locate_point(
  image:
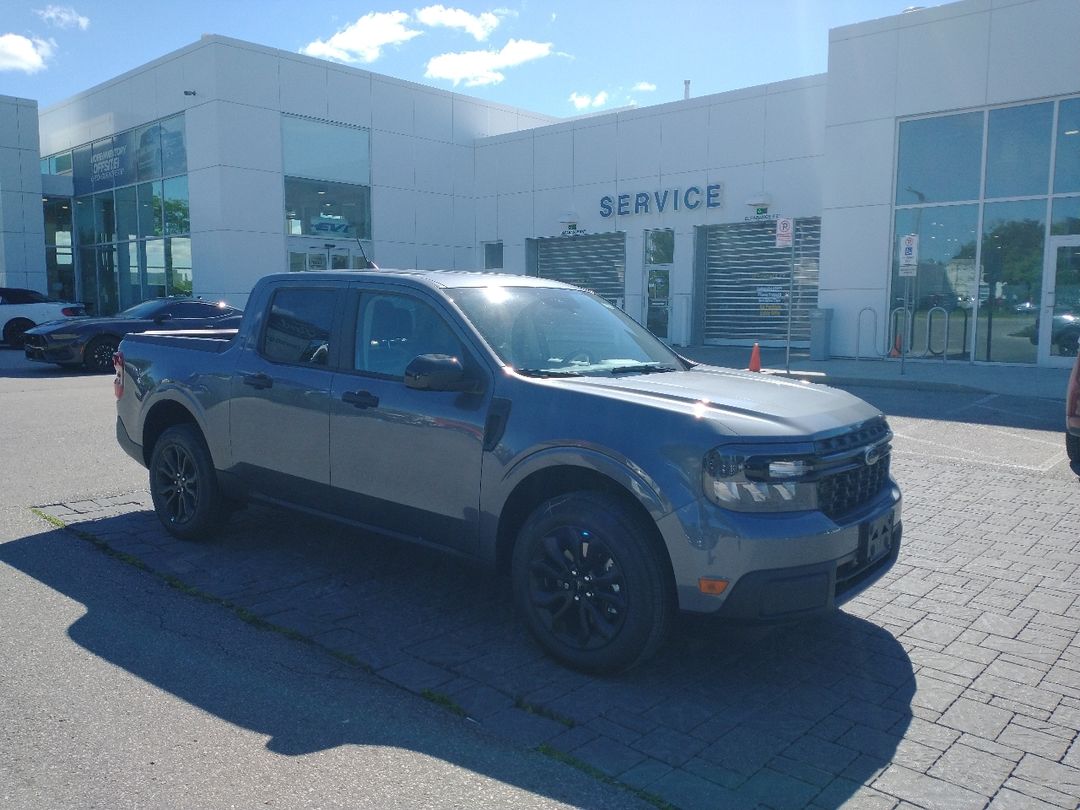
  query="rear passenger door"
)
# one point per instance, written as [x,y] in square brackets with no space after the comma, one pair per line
[280,394]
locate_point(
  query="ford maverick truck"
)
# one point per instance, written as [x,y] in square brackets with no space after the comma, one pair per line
[533,426]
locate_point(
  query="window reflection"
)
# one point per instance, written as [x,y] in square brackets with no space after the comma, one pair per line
[1066,217]
[946,280]
[1011,289]
[1067,163]
[940,159]
[325,151]
[177,215]
[327,210]
[1018,150]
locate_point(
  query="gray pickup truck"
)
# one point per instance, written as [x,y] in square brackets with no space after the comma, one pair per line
[533,426]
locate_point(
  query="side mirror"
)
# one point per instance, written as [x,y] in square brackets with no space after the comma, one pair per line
[437,372]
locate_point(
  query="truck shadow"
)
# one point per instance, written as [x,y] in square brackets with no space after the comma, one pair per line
[785,716]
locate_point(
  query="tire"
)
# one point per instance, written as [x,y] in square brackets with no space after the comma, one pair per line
[98,354]
[1072,448]
[184,486]
[15,332]
[592,585]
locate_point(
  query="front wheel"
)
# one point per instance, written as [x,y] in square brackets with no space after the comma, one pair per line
[592,585]
[183,484]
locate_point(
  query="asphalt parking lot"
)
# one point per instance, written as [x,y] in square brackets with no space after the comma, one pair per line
[954,683]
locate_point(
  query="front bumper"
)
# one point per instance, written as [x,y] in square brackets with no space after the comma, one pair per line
[42,350]
[780,566]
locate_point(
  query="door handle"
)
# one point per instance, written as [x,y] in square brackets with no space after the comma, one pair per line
[360,399]
[259,381]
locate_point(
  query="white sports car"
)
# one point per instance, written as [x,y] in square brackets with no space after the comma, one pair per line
[22,309]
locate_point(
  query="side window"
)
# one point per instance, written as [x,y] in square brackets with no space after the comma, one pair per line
[298,327]
[393,329]
[192,309]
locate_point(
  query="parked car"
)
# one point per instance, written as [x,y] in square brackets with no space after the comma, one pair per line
[1072,417]
[1064,333]
[22,309]
[529,425]
[90,342]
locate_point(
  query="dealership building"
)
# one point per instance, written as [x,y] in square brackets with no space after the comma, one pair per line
[960,124]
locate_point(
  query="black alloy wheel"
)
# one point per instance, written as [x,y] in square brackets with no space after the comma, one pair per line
[183,484]
[593,587]
[99,353]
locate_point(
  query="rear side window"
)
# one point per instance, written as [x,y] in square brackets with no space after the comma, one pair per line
[194,309]
[298,327]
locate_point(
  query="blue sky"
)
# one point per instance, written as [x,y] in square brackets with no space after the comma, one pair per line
[558,58]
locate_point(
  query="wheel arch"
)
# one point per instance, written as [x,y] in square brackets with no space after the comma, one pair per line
[163,415]
[561,479]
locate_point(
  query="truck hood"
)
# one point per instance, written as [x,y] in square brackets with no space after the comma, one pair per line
[745,403]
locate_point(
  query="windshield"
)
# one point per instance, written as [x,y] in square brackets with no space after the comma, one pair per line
[554,332]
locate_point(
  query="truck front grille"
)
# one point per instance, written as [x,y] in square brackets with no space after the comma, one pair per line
[854,467]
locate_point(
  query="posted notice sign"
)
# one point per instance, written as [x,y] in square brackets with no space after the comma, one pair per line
[909,255]
[784,229]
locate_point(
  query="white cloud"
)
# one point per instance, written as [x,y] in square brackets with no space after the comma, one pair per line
[63,17]
[28,55]
[644,87]
[582,101]
[364,40]
[479,25]
[477,68]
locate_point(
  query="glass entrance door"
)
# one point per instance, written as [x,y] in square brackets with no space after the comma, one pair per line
[659,302]
[1059,320]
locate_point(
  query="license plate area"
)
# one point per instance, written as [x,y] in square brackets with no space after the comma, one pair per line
[875,538]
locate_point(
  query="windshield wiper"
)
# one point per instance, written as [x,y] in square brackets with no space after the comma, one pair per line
[543,372]
[643,368]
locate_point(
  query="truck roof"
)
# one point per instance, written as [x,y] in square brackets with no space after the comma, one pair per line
[443,279]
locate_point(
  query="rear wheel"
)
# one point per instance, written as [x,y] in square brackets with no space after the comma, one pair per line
[591,584]
[15,332]
[184,486]
[98,354]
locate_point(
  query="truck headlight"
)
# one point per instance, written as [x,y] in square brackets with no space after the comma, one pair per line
[752,483]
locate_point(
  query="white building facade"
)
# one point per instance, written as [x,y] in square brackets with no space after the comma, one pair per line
[225,161]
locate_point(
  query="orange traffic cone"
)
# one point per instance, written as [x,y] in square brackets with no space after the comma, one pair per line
[755,359]
[896,348]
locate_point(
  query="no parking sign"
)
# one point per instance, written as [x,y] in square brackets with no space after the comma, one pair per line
[784,229]
[909,255]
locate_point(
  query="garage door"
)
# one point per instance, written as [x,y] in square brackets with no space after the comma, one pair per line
[747,281]
[596,262]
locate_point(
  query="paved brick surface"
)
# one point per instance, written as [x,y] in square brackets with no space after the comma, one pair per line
[954,683]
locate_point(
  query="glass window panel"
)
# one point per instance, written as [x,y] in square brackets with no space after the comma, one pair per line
[660,246]
[57,211]
[148,152]
[81,170]
[1018,150]
[177,215]
[104,217]
[940,159]
[107,281]
[1067,163]
[1066,216]
[946,276]
[327,210]
[88,289]
[127,214]
[1011,290]
[493,255]
[325,151]
[84,220]
[60,272]
[298,327]
[1065,324]
[154,259]
[150,217]
[178,266]
[61,164]
[127,271]
[173,146]
[297,262]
